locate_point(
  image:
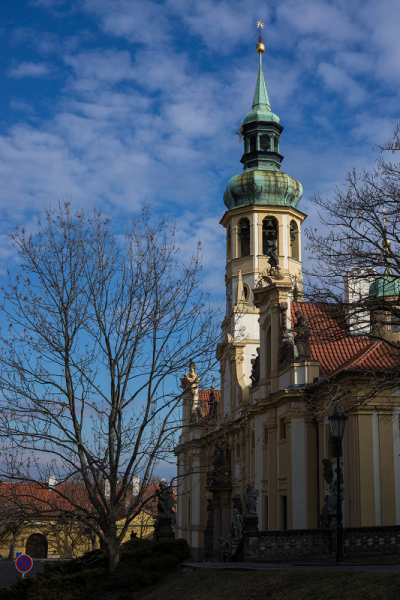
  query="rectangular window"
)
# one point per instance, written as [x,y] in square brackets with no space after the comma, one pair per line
[394,323]
[237,450]
[283,512]
[266,514]
[282,429]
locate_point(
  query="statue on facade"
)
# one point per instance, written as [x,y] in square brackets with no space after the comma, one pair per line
[286,346]
[165,496]
[212,404]
[236,527]
[210,514]
[328,511]
[302,340]
[250,499]
[255,369]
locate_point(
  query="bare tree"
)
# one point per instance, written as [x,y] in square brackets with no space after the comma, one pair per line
[98,330]
[359,240]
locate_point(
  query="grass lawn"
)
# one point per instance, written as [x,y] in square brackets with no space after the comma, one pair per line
[210,584]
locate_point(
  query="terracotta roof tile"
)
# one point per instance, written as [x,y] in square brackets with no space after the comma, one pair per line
[204,399]
[333,346]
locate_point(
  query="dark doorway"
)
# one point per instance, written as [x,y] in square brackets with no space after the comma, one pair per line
[36,546]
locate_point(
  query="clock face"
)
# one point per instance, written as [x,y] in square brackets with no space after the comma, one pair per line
[228,297]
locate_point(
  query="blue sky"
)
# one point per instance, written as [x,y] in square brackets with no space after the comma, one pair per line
[130,101]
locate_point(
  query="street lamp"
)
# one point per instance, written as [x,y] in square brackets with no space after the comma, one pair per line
[338,422]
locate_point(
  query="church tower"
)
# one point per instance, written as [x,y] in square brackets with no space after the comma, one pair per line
[263,232]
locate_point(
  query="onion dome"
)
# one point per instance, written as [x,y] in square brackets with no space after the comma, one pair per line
[387,285]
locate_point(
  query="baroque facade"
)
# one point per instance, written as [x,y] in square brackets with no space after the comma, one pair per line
[280,374]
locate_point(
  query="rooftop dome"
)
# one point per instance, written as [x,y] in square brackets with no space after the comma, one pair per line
[387,285]
[262,188]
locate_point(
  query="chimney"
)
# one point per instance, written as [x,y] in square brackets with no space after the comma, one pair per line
[52,482]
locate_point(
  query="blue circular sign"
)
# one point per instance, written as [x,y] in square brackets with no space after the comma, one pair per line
[24,563]
[88,531]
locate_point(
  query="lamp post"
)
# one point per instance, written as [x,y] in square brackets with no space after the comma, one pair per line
[338,422]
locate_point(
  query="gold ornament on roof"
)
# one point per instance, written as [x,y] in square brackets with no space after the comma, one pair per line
[260,45]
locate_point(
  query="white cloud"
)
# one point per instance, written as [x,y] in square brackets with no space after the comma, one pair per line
[29,69]
[338,81]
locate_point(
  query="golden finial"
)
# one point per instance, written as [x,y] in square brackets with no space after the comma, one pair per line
[260,45]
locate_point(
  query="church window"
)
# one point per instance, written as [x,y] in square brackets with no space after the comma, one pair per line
[265,145]
[282,429]
[294,241]
[253,143]
[228,243]
[244,237]
[238,450]
[270,235]
[394,323]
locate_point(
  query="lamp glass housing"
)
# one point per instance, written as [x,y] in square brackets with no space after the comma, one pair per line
[337,422]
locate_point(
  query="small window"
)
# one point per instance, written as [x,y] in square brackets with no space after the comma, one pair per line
[253,141]
[282,429]
[283,512]
[237,450]
[244,237]
[265,145]
[253,440]
[294,241]
[265,435]
[395,323]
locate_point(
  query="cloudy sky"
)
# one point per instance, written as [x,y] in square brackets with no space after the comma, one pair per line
[122,102]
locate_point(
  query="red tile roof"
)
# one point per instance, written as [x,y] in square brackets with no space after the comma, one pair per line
[333,346]
[204,399]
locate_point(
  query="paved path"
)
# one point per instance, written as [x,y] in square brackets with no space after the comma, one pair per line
[382,567]
[8,572]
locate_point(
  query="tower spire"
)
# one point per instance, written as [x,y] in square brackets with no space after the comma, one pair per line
[261,94]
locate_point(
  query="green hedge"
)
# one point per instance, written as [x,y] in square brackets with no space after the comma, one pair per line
[142,563]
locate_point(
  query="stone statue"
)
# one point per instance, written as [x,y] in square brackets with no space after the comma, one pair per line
[210,514]
[236,526]
[255,369]
[250,499]
[328,511]
[286,346]
[217,457]
[328,471]
[212,404]
[192,369]
[225,554]
[302,340]
[165,497]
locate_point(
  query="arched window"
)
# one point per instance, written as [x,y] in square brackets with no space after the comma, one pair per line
[253,143]
[270,235]
[228,244]
[268,354]
[244,237]
[265,145]
[294,240]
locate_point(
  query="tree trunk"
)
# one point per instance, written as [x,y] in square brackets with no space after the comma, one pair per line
[113,554]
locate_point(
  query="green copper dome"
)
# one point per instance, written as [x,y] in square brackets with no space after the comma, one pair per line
[387,285]
[262,188]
